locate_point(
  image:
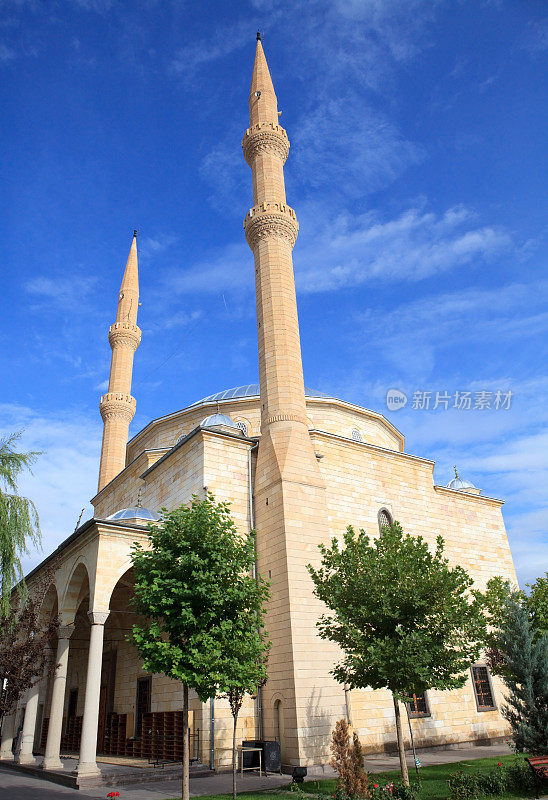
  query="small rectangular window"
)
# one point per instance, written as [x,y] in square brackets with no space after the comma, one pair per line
[418,706]
[482,688]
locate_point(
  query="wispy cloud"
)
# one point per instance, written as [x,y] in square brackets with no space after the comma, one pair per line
[347,146]
[65,475]
[6,53]
[151,246]
[220,43]
[348,250]
[61,291]
[351,250]
[535,39]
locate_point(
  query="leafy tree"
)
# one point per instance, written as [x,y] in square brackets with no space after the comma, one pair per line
[196,588]
[404,619]
[537,603]
[525,673]
[18,518]
[24,639]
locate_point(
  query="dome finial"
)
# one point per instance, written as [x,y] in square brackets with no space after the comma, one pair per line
[456,473]
[139,496]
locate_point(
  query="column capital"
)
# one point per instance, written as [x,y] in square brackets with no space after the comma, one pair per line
[65,631]
[98,617]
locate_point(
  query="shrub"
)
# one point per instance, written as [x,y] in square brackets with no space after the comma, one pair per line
[463,786]
[347,760]
[496,781]
[398,790]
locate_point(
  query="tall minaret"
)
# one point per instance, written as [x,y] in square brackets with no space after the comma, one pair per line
[290,504]
[117,406]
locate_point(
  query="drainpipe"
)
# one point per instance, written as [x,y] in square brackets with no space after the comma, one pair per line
[251,526]
[212,734]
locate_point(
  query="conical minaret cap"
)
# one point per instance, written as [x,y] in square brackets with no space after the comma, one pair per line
[263,104]
[129,290]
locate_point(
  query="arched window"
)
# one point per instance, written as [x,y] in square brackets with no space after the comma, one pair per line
[242,426]
[385,519]
[356,435]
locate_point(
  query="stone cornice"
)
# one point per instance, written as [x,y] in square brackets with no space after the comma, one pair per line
[235,437]
[123,474]
[375,447]
[254,401]
[481,497]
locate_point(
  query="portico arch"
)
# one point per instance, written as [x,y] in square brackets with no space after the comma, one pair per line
[77,588]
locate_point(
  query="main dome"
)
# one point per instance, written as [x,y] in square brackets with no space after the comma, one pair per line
[250,390]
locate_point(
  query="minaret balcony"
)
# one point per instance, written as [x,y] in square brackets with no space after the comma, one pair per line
[265,137]
[124,334]
[271,219]
[117,404]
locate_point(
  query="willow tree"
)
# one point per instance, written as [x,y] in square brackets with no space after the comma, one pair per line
[19,525]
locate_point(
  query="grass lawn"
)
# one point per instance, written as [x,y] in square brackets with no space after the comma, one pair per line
[434,782]
[434,779]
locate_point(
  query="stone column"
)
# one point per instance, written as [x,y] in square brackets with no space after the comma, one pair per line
[87,764]
[25,755]
[53,743]
[7,738]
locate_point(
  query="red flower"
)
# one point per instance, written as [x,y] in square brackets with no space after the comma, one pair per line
[499,764]
[375,785]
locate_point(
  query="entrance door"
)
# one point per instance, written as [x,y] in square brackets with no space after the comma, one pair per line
[102,718]
[106,696]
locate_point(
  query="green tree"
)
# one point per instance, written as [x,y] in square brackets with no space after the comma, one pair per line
[525,655]
[518,652]
[18,518]
[195,587]
[537,603]
[403,617]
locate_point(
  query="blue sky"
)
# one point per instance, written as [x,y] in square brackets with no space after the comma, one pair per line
[418,173]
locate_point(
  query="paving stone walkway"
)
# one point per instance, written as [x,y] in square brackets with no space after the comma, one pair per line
[18,786]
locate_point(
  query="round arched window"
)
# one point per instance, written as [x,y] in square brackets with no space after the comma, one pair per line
[242,426]
[385,519]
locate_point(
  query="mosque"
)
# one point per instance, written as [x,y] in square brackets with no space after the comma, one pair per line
[297,466]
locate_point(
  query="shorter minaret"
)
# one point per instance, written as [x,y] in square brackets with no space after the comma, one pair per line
[117,406]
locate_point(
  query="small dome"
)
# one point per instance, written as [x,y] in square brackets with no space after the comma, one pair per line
[219,420]
[135,513]
[460,484]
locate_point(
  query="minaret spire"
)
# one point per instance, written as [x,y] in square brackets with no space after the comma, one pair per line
[291,517]
[117,406]
[263,104]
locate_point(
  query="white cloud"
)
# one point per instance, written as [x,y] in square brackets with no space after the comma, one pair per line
[352,250]
[347,251]
[65,475]
[151,246]
[62,292]
[342,143]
